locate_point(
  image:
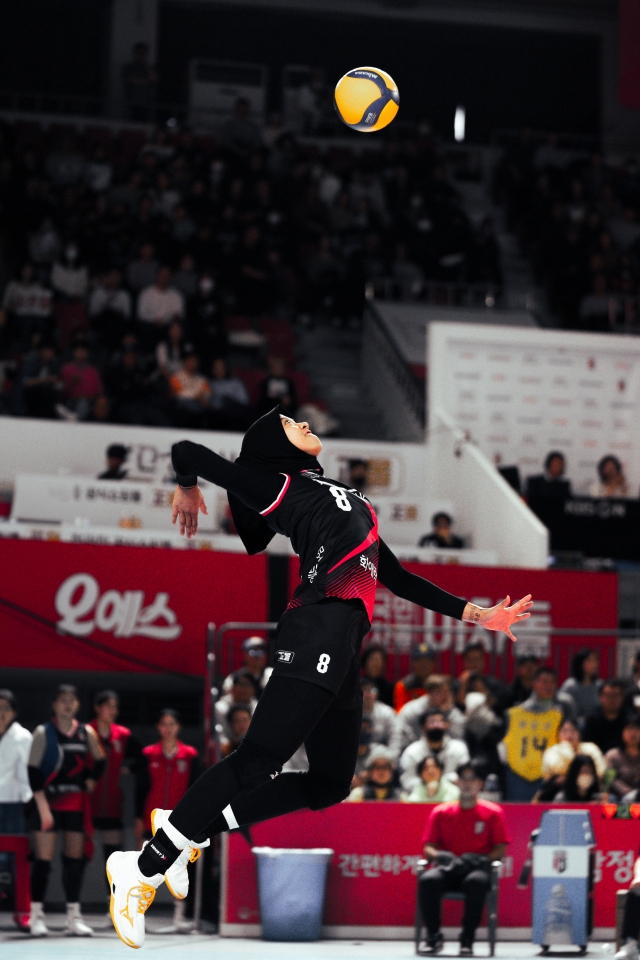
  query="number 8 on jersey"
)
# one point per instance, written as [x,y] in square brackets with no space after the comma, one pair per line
[323,663]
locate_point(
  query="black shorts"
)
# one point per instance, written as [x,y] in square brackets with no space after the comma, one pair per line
[72,820]
[320,642]
[108,823]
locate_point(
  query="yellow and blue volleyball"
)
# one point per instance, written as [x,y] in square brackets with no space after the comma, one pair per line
[366,99]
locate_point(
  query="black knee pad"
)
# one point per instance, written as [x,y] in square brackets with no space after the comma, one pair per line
[323,792]
[253,766]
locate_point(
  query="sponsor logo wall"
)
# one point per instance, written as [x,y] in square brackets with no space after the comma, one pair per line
[62,454]
[372,876]
[522,395]
[78,449]
[115,608]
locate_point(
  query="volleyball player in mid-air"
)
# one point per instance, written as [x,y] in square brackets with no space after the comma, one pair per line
[314,696]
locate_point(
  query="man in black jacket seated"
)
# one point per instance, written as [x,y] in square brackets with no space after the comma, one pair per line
[550,484]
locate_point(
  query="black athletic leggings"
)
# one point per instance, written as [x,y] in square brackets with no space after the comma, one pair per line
[290,712]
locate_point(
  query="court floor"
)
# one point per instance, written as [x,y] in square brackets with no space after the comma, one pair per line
[104,943]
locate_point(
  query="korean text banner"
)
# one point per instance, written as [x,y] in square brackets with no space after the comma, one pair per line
[371,889]
[86,607]
[562,599]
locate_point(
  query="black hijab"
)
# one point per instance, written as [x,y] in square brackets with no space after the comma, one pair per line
[265,449]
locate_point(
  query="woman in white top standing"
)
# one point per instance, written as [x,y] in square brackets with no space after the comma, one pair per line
[15,743]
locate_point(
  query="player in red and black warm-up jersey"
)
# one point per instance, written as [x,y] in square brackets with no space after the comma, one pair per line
[314,695]
[165,772]
[122,753]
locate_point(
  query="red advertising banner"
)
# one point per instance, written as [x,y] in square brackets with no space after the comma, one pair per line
[629,53]
[115,608]
[562,599]
[376,848]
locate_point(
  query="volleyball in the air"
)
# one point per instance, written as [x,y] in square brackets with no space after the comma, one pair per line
[366,99]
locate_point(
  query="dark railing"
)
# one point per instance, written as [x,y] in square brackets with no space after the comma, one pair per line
[578,142]
[382,342]
[52,103]
[89,108]
[436,292]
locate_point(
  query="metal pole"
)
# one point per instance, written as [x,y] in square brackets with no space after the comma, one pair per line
[209,675]
[197,906]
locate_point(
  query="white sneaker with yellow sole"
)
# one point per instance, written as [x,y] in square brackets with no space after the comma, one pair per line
[177,877]
[131,896]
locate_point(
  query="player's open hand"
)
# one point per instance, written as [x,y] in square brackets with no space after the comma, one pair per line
[185,508]
[502,616]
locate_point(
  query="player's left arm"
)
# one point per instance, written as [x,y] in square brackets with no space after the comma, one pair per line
[410,586]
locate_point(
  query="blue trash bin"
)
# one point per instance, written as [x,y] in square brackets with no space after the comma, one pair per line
[291,888]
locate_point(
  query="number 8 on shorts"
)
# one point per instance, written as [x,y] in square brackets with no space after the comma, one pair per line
[323,663]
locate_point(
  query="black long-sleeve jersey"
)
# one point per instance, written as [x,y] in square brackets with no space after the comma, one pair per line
[333,529]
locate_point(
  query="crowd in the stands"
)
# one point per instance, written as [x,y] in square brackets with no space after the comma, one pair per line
[161,280]
[577,217]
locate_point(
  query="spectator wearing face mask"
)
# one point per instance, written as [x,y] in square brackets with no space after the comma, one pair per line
[379,783]
[438,696]
[432,787]
[581,783]
[557,759]
[474,664]
[435,741]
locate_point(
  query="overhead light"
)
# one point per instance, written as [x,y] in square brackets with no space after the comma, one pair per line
[458,124]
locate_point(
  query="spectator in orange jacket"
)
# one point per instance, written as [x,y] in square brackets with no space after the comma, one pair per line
[423,664]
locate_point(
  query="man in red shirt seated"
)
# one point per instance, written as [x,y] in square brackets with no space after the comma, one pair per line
[461,839]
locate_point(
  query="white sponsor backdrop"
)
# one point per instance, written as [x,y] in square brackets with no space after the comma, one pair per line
[51,459]
[520,393]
